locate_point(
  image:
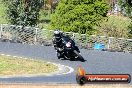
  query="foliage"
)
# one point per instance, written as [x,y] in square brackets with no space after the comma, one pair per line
[79,15]
[126,7]
[50,4]
[115,26]
[44,19]
[130,30]
[24,12]
[2,13]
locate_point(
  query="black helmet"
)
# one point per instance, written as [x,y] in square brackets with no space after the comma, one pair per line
[57,34]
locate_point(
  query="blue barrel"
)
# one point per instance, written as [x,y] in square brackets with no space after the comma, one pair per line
[99,46]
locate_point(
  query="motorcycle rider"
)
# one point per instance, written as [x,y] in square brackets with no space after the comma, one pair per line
[57,42]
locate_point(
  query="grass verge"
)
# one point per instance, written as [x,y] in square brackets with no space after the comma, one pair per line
[18,66]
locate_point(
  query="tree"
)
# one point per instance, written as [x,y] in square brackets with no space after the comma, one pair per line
[79,15]
[50,4]
[130,31]
[126,7]
[24,12]
[111,4]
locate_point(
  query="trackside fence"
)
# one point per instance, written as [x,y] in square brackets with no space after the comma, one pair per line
[32,35]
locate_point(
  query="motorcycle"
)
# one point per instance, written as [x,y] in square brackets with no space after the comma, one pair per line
[70,50]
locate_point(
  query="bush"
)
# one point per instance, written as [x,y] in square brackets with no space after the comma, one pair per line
[79,15]
[130,31]
[115,26]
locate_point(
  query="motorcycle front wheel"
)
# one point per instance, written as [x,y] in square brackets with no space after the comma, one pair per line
[58,55]
[78,55]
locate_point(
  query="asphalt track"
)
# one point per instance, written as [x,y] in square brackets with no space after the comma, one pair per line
[97,62]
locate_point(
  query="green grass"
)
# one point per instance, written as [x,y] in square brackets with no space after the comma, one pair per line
[17,66]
